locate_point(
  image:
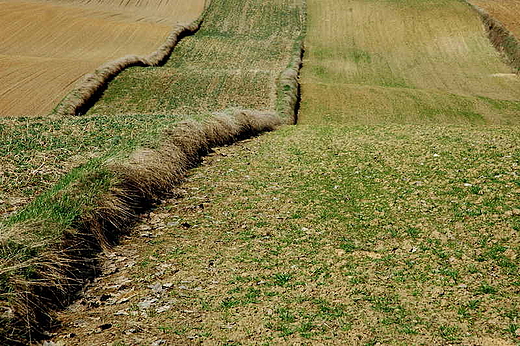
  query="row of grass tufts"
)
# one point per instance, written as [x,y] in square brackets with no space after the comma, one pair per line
[71,186]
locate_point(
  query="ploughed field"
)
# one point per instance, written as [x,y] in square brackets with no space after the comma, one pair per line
[403,61]
[505,11]
[45,46]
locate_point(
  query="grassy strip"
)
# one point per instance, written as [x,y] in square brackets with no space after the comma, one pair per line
[205,74]
[239,50]
[47,248]
[288,100]
[501,38]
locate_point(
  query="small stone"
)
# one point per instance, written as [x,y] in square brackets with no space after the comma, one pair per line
[158,342]
[130,331]
[144,227]
[125,299]
[121,313]
[462,286]
[146,304]
[163,309]
[79,323]
[157,288]
[102,327]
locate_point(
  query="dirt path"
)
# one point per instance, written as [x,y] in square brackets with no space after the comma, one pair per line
[408,62]
[45,46]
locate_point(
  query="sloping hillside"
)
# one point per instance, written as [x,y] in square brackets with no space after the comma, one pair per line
[45,46]
[403,61]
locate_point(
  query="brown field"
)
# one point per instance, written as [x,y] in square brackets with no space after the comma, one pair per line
[505,11]
[45,46]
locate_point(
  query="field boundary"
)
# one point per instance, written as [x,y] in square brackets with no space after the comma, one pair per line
[288,102]
[140,182]
[501,38]
[134,185]
[90,87]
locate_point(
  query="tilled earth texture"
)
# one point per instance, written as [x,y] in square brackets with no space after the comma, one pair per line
[234,60]
[391,235]
[45,46]
[505,11]
[403,61]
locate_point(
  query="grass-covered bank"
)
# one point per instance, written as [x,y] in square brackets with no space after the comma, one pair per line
[124,161]
[36,152]
[339,235]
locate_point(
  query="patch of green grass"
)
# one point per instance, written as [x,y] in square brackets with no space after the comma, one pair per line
[56,170]
[372,234]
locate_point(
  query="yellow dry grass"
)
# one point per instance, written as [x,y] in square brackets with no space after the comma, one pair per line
[408,61]
[45,46]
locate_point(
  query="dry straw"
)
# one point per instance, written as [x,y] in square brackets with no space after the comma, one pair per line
[143,179]
[501,38]
[289,87]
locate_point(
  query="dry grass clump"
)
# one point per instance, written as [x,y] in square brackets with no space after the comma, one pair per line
[48,248]
[37,277]
[325,235]
[289,86]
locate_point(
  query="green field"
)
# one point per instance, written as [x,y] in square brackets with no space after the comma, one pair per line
[404,231]
[56,171]
[352,235]
[389,215]
[403,62]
